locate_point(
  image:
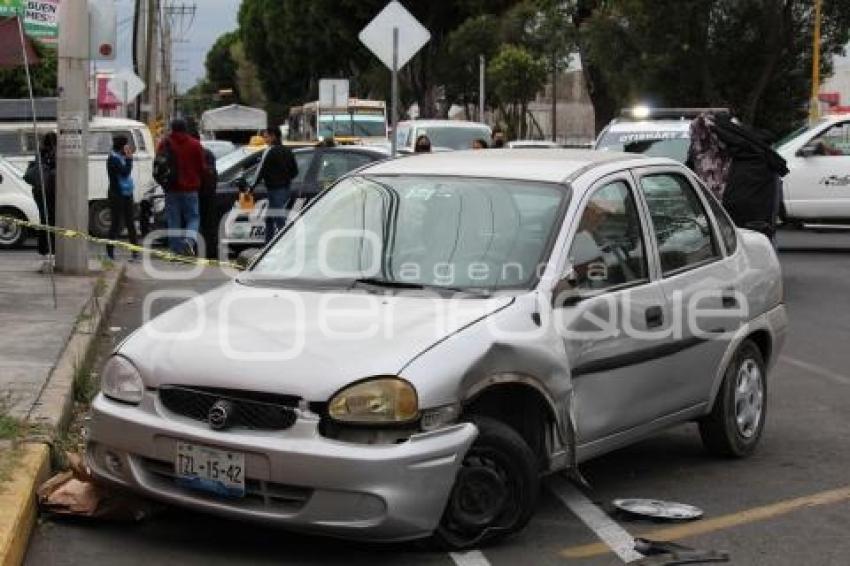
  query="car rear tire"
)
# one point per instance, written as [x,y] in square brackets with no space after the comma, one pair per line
[495,490]
[736,422]
[100,218]
[12,235]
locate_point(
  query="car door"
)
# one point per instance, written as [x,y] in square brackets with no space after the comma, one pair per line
[818,185]
[614,316]
[700,284]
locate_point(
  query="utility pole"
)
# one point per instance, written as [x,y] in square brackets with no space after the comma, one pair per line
[72,173]
[481,100]
[814,105]
[149,111]
[179,17]
[554,97]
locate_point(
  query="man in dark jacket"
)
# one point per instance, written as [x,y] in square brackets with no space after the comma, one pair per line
[181,196]
[277,168]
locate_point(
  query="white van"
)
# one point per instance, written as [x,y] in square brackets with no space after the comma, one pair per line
[445,135]
[18,147]
[15,201]
[818,187]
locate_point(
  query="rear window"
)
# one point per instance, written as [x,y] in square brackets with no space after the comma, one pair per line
[453,137]
[659,143]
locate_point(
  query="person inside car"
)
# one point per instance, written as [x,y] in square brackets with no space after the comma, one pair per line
[423,144]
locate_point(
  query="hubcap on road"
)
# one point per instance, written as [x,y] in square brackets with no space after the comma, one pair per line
[749,398]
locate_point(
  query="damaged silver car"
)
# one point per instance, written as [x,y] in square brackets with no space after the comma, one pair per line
[435,334]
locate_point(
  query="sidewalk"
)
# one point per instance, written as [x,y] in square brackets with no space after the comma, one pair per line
[42,348]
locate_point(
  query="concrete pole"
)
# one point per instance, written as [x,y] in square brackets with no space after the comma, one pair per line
[481,100]
[150,62]
[72,174]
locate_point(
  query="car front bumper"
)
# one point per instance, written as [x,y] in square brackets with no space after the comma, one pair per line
[294,478]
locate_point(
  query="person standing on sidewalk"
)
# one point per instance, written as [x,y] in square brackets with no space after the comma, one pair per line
[207,198]
[179,166]
[119,168]
[277,168]
[44,193]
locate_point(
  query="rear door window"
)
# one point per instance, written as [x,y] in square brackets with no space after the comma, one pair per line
[10,143]
[683,230]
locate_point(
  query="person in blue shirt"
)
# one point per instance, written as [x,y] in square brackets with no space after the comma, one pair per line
[119,167]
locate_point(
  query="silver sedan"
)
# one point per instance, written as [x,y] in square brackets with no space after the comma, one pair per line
[434,334]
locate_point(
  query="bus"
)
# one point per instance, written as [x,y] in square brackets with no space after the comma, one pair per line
[361,122]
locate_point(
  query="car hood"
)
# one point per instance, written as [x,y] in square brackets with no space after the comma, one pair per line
[308,344]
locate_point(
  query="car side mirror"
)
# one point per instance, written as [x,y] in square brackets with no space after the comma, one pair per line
[246,257]
[566,292]
[808,150]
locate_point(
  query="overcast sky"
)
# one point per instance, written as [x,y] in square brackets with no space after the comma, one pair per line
[212,18]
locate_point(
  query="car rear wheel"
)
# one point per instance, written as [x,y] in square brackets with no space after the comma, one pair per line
[495,490]
[736,422]
[12,235]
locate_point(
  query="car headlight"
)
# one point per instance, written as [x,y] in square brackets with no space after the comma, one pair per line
[383,400]
[121,381]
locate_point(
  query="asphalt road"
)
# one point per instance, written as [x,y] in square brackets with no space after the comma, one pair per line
[787,505]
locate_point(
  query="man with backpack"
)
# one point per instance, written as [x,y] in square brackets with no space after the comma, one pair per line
[179,168]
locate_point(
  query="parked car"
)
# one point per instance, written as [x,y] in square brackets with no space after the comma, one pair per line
[445,135]
[817,189]
[17,144]
[317,168]
[15,201]
[433,334]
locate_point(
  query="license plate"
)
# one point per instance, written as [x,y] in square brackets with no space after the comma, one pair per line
[209,469]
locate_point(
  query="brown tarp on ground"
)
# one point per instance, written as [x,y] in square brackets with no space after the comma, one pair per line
[10,45]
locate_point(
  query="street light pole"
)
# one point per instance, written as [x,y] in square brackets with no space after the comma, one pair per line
[72,164]
[481,101]
[814,105]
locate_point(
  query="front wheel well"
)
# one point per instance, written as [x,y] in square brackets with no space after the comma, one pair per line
[764,342]
[521,407]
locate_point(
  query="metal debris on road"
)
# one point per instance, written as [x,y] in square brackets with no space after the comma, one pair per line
[655,509]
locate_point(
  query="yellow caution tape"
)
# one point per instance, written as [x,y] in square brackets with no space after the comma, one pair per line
[159,254]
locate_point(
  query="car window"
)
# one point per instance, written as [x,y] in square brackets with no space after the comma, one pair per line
[334,165]
[139,138]
[608,248]
[100,142]
[453,137]
[835,141]
[662,143]
[303,159]
[682,228]
[245,168]
[727,227]
[10,143]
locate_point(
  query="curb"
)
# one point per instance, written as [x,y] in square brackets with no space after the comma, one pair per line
[17,499]
[50,414]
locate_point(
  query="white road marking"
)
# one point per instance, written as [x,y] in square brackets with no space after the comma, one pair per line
[471,558]
[817,370]
[608,531]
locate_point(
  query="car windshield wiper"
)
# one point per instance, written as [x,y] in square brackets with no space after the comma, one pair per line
[390,284]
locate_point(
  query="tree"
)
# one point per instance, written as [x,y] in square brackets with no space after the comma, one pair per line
[221,67]
[459,71]
[13,81]
[516,76]
[753,56]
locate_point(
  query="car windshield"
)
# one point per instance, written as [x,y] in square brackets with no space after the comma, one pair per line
[662,143]
[798,132]
[417,231]
[453,137]
[348,125]
[222,164]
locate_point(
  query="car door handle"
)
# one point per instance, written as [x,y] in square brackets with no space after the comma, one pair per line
[729,299]
[654,317]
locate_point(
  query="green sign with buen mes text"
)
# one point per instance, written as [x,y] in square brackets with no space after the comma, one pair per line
[41,17]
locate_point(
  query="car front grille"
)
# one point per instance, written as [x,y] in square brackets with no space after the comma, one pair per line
[252,410]
[259,494]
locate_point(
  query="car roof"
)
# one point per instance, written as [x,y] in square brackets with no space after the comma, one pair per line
[650,126]
[547,165]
